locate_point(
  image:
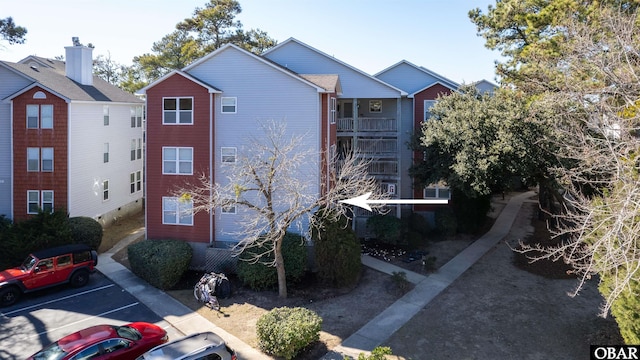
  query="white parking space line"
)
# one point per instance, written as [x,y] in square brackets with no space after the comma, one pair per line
[85,319]
[56,300]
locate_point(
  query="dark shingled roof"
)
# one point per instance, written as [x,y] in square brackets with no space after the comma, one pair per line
[54,78]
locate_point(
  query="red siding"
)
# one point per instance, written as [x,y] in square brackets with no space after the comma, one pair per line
[57,138]
[159,135]
[430,93]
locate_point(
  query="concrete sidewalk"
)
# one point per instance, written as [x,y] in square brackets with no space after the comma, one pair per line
[380,328]
[372,334]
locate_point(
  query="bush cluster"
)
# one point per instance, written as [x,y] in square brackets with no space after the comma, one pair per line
[285,331]
[337,252]
[161,263]
[387,229]
[85,230]
[259,275]
[625,308]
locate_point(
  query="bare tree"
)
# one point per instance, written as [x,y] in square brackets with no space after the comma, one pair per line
[276,184]
[594,113]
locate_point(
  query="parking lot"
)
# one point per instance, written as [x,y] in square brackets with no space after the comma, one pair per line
[41,318]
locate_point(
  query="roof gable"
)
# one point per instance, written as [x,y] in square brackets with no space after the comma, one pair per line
[209,88]
[302,58]
[412,78]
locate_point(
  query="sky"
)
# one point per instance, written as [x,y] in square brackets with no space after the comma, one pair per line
[370,35]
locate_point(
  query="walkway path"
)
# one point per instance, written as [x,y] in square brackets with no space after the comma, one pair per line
[380,328]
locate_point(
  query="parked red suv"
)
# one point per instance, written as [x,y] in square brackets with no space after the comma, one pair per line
[46,268]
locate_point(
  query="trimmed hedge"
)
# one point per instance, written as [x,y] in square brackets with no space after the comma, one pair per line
[337,252]
[85,230]
[285,331]
[161,263]
[259,276]
[387,229]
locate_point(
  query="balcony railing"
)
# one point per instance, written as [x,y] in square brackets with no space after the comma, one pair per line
[377,146]
[383,167]
[367,124]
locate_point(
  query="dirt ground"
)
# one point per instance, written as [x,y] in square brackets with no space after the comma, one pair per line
[501,308]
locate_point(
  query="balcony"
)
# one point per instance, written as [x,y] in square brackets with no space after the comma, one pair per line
[383,167]
[377,147]
[367,124]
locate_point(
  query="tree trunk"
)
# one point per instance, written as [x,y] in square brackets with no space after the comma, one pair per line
[282,278]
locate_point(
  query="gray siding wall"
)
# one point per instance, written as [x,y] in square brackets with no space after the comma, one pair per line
[9,84]
[407,78]
[263,94]
[306,61]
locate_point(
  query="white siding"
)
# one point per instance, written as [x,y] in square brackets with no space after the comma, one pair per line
[304,60]
[264,94]
[9,84]
[87,171]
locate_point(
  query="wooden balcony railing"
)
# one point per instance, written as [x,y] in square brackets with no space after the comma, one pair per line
[367,124]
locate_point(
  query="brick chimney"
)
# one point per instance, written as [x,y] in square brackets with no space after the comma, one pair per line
[79,62]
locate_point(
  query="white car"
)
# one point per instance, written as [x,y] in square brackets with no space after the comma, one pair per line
[200,346]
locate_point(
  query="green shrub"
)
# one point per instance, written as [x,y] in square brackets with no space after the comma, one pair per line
[625,308]
[446,223]
[284,331]
[337,252]
[387,229]
[85,230]
[378,353]
[161,263]
[260,276]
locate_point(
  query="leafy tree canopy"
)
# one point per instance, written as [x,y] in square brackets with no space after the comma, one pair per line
[11,32]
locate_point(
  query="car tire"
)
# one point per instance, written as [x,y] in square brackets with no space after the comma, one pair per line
[79,278]
[9,296]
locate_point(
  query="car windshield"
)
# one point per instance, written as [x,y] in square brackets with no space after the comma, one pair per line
[28,263]
[128,332]
[51,352]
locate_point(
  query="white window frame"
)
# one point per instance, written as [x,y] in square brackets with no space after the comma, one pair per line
[105,190]
[229,209]
[228,103]
[139,116]
[46,117]
[139,149]
[177,161]
[31,201]
[177,111]
[135,182]
[436,188]
[333,109]
[132,115]
[426,106]
[228,155]
[133,150]
[138,180]
[182,210]
[105,115]
[105,153]
[33,158]
[44,200]
[30,109]
[47,159]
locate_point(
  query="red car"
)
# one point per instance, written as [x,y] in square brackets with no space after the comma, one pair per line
[103,342]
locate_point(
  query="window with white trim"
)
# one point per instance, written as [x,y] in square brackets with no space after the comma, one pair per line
[436,191]
[33,201]
[333,109]
[47,159]
[133,149]
[105,115]
[139,149]
[105,190]
[33,116]
[177,211]
[139,116]
[229,105]
[176,111]
[135,179]
[229,208]
[105,153]
[427,108]
[228,155]
[33,159]
[37,200]
[177,160]
[46,120]
[389,188]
